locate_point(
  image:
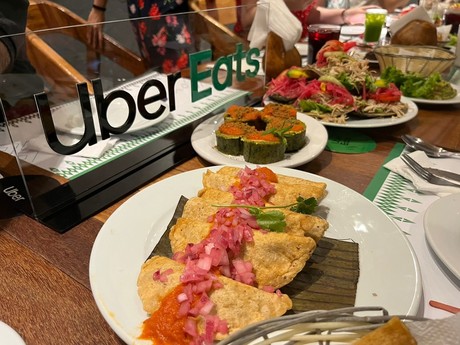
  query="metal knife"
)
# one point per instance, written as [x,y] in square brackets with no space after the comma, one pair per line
[445,174]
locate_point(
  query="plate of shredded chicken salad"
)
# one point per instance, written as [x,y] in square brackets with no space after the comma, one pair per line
[342,91]
[379,121]
[349,121]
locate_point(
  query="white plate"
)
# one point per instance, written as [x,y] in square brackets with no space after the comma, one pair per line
[352,30]
[68,117]
[379,122]
[455,100]
[302,48]
[8,336]
[442,230]
[204,143]
[389,272]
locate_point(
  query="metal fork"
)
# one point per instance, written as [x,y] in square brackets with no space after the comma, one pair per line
[424,174]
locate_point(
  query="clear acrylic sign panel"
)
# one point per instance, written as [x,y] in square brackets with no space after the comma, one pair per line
[88,127]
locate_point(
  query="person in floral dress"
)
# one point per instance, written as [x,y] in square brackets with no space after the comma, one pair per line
[162,31]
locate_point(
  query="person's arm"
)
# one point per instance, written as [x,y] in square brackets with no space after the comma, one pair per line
[96,15]
[392,5]
[349,16]
[246,14]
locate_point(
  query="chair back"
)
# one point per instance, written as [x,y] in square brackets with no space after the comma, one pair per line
[59,73]
[214,22]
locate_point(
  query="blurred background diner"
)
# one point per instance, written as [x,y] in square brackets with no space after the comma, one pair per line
[389,5]
[164,42]
[307,12]
[19,80]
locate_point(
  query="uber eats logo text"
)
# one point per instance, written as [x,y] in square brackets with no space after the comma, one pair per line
[151,91]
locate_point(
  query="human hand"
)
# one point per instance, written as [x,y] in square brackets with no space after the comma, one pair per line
[95,28]
[357,15]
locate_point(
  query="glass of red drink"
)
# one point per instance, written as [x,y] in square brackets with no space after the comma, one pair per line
[318,35]
[452,16]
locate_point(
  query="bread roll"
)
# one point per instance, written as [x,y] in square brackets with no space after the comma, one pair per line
[416,33]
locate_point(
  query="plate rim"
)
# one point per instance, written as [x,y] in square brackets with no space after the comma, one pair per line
[376,122]
[353,32]
[106,229]
[9,333]
[218,158]
[429,231]
[380,122]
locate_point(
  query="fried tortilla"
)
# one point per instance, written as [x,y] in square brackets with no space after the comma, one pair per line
[276,257]
[373,109]
[236,303]
[287,189]
[296,223]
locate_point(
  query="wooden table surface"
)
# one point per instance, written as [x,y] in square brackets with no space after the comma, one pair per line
[44,284]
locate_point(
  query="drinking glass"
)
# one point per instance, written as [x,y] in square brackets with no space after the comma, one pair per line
[375,19]
[318,35]
[452,16]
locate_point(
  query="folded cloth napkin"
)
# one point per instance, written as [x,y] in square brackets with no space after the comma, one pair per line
[418,13]
[442,331]
[274,16]
[94,151]
[451,164]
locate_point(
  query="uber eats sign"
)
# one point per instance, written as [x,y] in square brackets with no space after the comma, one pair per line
[156,87]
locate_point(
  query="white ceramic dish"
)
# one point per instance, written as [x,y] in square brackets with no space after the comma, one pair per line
[455,100]
[389,272]
[204,143]
[8,336]
[352,30]
[379,122]
[68,117]
[442,230]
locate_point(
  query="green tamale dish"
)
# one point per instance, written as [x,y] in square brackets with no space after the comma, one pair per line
[263,148]
[229,135]
[275,110]
[294,131]
[248,115]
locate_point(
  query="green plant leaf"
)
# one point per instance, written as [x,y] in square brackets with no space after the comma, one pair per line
[271,220]
[305,206]
[275,220]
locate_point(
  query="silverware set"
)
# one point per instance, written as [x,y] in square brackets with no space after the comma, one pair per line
[431,175]
[430,149]
[425,174]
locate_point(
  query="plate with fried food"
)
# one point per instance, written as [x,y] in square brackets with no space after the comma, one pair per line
[130,284]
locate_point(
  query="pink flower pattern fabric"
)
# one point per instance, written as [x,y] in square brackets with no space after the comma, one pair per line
[164,38]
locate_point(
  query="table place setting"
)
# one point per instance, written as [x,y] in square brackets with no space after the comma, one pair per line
[447,165]
[429,215]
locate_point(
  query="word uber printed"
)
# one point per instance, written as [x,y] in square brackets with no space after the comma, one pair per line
[160,93]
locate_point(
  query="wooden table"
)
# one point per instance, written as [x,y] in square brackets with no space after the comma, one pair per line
[44,285]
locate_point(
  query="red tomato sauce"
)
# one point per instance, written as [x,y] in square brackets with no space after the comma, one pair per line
[165,326]
[269,174]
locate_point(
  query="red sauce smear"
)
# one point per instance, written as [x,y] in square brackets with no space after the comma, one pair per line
[165,326]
